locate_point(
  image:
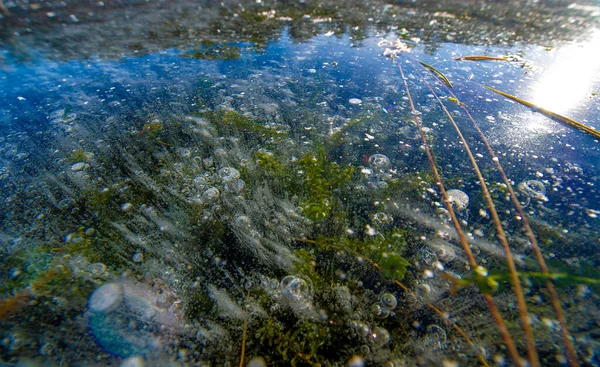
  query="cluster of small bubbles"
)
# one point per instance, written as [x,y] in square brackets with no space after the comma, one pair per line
[379,162]
[295,288]
[378,337]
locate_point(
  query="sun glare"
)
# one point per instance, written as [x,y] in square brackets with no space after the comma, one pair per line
[567,81]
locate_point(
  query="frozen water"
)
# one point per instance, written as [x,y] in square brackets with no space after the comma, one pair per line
[191,182]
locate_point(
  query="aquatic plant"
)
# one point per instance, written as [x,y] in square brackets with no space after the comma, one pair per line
[480,275]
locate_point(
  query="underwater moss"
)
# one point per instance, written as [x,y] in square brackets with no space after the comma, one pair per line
[321,179]
[213,51]
[77,156]
[234,123]
[385,250]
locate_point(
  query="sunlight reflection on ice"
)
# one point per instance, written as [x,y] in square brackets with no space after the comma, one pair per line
[567,82]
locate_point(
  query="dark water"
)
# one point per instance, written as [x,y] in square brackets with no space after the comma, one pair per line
[221,184]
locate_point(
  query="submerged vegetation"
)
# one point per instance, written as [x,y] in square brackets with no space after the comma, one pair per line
[291,210]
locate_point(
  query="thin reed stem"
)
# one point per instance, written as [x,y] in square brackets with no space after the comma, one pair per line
[508,341]
[516,282]
[554,299]
[244,335]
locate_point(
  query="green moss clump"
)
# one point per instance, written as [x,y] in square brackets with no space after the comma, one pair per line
[77,156]
[321,179]
[233,123]
[295,346]
[152,128]
[384,249]
[215,51]
[269,164]
[392,264]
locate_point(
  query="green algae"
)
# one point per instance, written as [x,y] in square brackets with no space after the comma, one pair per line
[234,123]
[77,156]
[214,51]
[322,179]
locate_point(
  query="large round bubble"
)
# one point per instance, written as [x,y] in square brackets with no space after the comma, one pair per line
[229,174]
[388,301]
[129,319]
[533,189]
[379,162]
[295,288]
[458,199]
[106,298]
[211,194]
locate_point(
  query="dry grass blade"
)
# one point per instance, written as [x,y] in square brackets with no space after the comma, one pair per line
[508,341]
[482,58]
[553,115]
[437,73]
[554,299]
[244,335]
[4,9]
[516,282]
